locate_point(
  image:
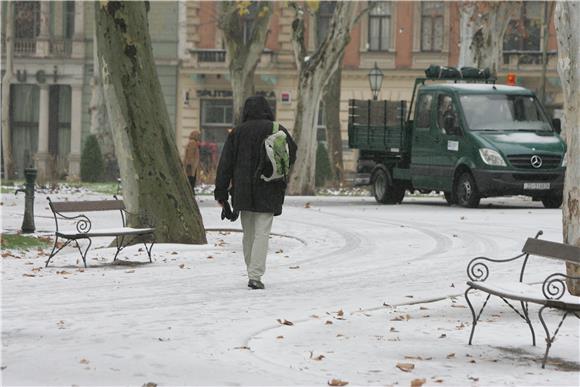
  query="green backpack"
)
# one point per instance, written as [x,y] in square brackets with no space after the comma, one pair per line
[275,150]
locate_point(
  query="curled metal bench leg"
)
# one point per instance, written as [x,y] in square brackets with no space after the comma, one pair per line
[84,254]
[119,246]
[473,313]
[53,252]
[527,318]
[148,249]
[550,339]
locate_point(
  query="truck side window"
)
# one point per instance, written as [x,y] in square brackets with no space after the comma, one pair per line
[423,116]
[445,110]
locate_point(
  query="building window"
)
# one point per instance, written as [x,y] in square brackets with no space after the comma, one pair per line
[524,32]
[26,19]
[217,112]
[380,26]
[432,26]
[69,19]
[24,110]
[248,21]
[323,18]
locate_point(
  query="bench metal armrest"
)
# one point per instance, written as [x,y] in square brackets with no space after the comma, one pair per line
[83,224]
[554,286]
[478,270]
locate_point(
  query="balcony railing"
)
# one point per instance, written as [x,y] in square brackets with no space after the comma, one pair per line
[60,48]
[211,56]
[24,47]
[517,58]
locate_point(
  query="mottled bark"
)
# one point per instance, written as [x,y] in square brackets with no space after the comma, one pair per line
[483,26]
[331,101]
[8,68]
[100,120]
[567,20]
[243,57]
[314,72]
[154,184]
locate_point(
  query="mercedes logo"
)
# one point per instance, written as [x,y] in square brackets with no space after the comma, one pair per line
[536,161]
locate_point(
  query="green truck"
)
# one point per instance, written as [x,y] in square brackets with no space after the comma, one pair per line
[469,139]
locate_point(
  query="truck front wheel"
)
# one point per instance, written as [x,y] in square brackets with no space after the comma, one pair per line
[466,192]
[384,190]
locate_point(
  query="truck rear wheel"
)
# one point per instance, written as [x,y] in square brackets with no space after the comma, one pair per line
[449,198]
[552,201]
[466,192]
[384,190]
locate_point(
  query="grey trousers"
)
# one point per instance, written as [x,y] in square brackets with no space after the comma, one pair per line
[256,227]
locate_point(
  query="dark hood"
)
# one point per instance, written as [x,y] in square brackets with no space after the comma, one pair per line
[257,108]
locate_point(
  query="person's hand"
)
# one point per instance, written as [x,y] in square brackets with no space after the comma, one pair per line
[221,203]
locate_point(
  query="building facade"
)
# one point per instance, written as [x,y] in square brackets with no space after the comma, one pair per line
[402,38]
[54,65]
[51,86]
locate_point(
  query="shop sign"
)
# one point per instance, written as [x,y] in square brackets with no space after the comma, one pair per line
[204,93]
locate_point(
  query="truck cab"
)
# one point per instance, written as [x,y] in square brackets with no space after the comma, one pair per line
[468,139]
[480,140]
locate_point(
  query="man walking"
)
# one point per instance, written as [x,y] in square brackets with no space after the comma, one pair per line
[241,171]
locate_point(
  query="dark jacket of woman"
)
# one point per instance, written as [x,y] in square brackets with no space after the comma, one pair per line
[240,160]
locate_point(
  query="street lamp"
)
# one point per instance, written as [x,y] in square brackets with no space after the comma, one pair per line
[376,81]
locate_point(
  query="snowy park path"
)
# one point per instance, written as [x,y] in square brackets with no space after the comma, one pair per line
[353,277]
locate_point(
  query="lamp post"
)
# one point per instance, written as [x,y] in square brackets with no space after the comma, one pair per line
[376,81]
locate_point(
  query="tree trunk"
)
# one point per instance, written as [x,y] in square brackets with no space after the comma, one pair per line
[483,26]
[314,72]
[243,56]
[331,99]
[6,129]
[567,20]
[100,121]
[154,184]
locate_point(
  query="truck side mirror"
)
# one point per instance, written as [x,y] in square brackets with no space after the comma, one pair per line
[557,124]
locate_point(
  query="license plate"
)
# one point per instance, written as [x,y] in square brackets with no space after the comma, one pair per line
[537,186]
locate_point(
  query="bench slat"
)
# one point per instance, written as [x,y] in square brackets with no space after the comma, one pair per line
[552,250]
[94,205]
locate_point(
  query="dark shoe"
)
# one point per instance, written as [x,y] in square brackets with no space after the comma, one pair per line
[254,284]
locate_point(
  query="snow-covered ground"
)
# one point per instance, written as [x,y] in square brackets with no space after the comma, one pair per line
[366,287]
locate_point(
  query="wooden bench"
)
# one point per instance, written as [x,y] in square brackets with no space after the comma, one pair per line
[83,226]
[551,294]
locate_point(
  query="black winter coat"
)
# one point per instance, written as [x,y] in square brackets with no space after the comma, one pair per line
[240,159]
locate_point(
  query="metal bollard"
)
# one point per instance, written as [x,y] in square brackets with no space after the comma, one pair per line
[28,221]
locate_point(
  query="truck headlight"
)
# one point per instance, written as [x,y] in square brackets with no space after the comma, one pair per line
[491,157]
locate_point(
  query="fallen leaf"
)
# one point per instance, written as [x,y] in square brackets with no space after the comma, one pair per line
[130,271]
[244,347]
[314,316]
[438,380]
[409,296]
[337,382]
[294,267]
[307,205]
[319,357]
[423,308]
[385,304]
[339,335]
[279,251]
[181,266]
[210,257]
[450,355]
[279,337]
[473,378]
[410,357]
[36,269]
[443,335]
[84,361]
[174,253]
[406,367]
[285,322]
[340,313]
[328,322]
[418,382]
[472,361]
[150,384]
[64,272]
[393,329]
[28,275]
[458,306]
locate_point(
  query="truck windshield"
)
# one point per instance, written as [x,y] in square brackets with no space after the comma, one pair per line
[503,112]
